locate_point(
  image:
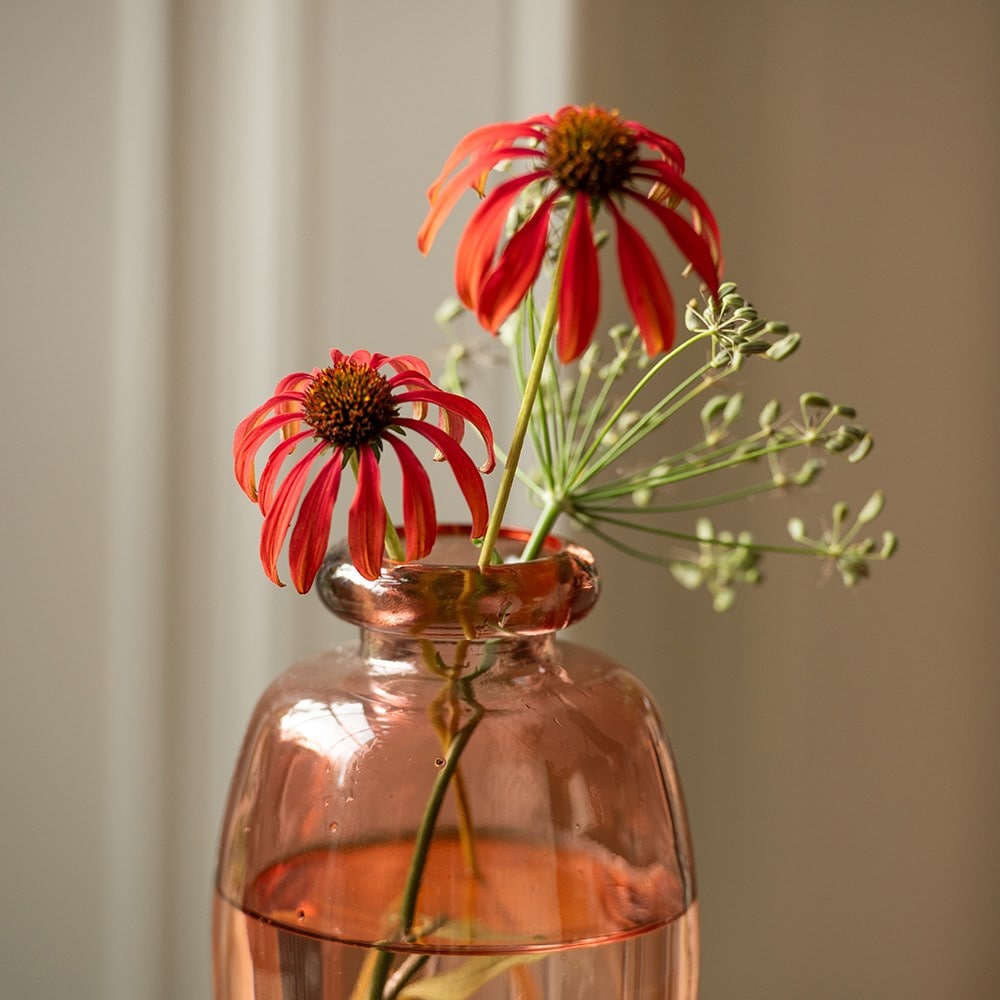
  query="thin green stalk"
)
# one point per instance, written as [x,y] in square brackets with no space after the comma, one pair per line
[573,418]
[421,846]
[538,363]
[623,406]
[408,907]
[543,528]
[393,544]
[681,536]
[682,475]
[757,489]
[596,408]
[538,425]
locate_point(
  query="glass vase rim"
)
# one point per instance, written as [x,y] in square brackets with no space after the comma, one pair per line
[427,596]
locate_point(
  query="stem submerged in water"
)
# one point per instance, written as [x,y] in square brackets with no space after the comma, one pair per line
[411,889]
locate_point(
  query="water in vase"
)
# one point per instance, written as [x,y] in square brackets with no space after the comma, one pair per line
[284,943]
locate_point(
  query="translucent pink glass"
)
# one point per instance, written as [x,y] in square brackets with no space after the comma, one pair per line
[462,805]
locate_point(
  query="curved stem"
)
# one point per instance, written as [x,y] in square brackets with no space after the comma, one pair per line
[623,405]
[421,846]
[543,527]
[539,359]
[393,545]
[408,908]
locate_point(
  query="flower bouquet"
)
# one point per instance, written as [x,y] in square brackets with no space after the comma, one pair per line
[463,806]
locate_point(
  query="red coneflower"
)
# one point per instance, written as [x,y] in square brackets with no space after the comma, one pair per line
[350,410]
[597,159]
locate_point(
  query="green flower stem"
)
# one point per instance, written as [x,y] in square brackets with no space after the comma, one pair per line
[523,478]
[681,467]
[543,527]
[595,508]
[681,536]
[583,474]
[393,543]
[681,475]
[538,424]
[408,908]
[596,408]
[421,846]
[406,972]
[693,386]
[576,413]
[538,362]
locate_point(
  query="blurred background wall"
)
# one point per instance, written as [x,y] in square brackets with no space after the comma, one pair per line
[200,196]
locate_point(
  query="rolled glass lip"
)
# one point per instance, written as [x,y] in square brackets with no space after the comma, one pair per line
[448,592]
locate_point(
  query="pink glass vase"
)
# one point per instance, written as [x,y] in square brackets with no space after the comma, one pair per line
[461,805]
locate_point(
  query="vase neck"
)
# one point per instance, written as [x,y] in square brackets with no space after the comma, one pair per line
[446,598]
[446,658]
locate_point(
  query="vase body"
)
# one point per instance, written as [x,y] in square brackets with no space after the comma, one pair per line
[462,805]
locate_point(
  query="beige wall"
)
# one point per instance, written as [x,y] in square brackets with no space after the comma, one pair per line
[199,195]
[839,749]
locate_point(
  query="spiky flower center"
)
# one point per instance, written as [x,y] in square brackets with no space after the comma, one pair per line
[591,150]
[349,405]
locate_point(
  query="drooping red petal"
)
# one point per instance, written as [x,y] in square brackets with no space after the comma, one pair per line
[286,400]
[419,515]
[279,517]
[455,410]
[445,198]
[406,363]
[690,243]
[289,393]
[468,477]
[411,379]
[646,290]
[580,291]
[366,518]
[702,216]
[246,444]
[311,534]
[272,468]
[259,414]
[515,272]
[667,148]
[484,137]
[482,234]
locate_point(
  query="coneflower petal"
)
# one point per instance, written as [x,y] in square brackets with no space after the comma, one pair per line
[481,237]
[273,465]
[646,291]
[419,515]
[279,517]
[580,291]
[479,139]
[445,197]
[455,410]
[311,534]
[701,214]
[366,518]
[691,244]
[508,281]
[468,477]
